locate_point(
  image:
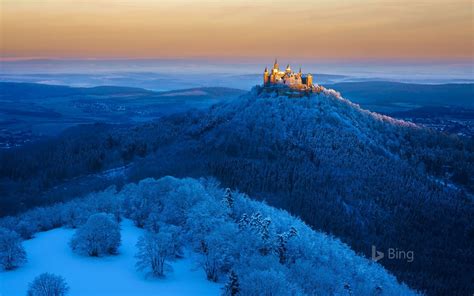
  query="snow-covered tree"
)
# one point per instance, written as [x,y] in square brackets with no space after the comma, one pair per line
[209,262]
[281,243]
[261,227]
[153,222]
[48,284]
[232,287]
[244,221]
[268,283]
[26,228]
[183,211]
[256,221]
[99,236]
[219,251]
[281,247]
[229,200]
[348,288]
[153,251]
[74,214]
[12,253]
[265,234]
[139,201]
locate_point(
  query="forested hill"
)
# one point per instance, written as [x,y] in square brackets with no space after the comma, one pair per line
[366,178]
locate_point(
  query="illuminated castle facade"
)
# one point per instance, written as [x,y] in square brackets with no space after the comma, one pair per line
[293,80]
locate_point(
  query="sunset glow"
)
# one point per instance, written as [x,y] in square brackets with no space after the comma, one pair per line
[434,29]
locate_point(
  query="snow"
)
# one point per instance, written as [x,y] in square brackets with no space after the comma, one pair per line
[113,275]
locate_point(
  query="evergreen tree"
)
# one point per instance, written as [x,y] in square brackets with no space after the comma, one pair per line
[282,241]
[348,288]
[293,232]
[256,221]
[244,221]
[265,235]
[229,202]
[281,247]
[229,198]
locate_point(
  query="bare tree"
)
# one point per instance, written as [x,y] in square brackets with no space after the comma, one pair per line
[12,253]
[48,284]
[153,251]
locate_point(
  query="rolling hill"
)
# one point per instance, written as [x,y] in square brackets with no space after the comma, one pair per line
[394,96]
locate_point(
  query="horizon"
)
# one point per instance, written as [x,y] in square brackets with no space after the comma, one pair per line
[189,70]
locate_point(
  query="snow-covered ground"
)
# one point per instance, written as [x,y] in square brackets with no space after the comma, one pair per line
[112,275]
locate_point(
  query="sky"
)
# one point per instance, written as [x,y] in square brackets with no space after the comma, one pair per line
[232,29]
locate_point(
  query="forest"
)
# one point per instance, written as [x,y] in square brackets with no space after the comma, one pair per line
[250,247]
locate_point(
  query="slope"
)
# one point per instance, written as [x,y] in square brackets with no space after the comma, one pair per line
[342,169]
[364,177]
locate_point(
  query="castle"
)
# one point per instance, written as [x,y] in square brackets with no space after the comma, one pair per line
[295,81]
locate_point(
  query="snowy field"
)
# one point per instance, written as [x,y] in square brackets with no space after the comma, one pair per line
[112,275]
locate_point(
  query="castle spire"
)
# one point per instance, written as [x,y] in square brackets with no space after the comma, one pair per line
[275,65]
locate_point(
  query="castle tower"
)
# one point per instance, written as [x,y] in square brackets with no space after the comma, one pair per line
[309,80]
[265,76]
[276,66]
[275,70]
[300,74]
[288,69]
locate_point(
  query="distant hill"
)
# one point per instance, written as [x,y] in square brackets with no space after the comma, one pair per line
[44,110]
[33,91]
[436,112]
[383,93]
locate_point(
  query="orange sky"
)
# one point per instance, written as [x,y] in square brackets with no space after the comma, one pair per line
[352,29]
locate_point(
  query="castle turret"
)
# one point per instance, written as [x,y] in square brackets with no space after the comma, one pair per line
[276,66]
[266,76]
[288,69]
[309,80]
